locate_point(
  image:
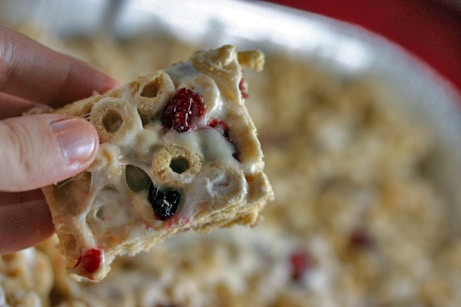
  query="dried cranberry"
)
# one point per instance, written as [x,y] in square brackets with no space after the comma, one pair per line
[243,88]
[90,262]
[220,125]
[184,109]
[165,203]
[360,239]
[300,262]
[223,128]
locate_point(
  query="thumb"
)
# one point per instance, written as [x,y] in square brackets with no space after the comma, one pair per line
[39,150]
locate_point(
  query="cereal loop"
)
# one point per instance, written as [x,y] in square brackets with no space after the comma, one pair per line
[175,166]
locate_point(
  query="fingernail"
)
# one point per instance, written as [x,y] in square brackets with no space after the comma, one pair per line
[74,138]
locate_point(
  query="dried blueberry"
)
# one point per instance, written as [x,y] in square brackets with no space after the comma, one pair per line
[165,203]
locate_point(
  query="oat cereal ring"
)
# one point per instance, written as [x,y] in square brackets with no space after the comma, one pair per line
[152,94]
[114,117]
[175,166]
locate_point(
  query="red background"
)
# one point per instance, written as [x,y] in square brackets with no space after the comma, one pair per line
[429,29]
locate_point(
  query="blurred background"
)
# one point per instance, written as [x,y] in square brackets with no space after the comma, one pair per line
[430,29]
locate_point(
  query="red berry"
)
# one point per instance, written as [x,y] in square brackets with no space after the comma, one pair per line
[243,88]
[183,111]
[90,262]
[300,262]
[220,125]
[360,239]
[223,128]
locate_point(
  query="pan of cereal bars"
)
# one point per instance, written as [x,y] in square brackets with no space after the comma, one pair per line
[361,145]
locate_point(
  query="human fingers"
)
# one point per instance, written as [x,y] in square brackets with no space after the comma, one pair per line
[8,198]
[39,150]
[11,106]
[23,225]
[34,72]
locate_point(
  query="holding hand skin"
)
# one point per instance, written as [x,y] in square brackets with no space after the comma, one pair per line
[39,150]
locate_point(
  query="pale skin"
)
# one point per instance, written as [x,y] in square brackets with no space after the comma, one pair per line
[39,150]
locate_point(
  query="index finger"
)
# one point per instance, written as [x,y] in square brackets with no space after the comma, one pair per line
[32,71]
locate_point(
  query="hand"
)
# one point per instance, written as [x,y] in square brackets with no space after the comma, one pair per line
[39,150]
